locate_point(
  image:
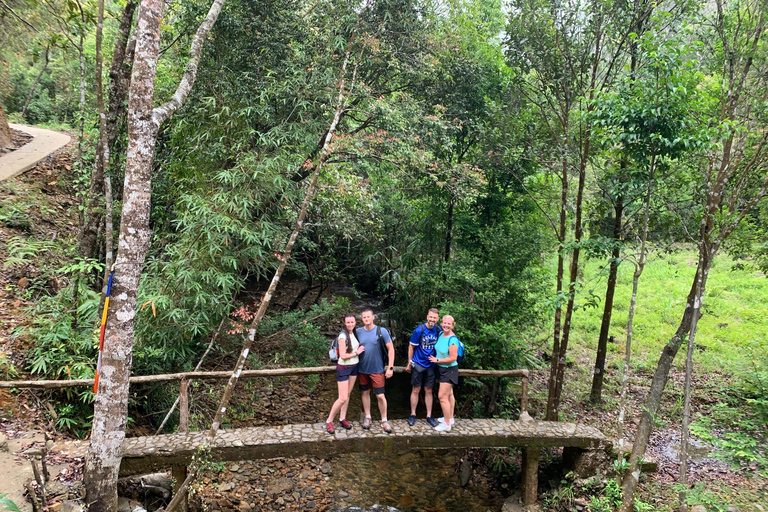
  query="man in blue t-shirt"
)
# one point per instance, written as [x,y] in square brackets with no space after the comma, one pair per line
[422,372]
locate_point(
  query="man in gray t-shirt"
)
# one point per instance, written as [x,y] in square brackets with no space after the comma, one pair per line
[372,369]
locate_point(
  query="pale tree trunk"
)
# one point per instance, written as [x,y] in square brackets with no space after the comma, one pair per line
[181,491]
[730,196]
[5,130]
[111,407]
[120,79]
[683,478]
[37,81]
[639,267]
[81,54]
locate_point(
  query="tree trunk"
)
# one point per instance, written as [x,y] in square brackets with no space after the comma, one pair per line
[552,384]
[120,80]
[448,229]
[5,130]
[37,81]
[687,393]
[602,341]
[111,407]
[658,383]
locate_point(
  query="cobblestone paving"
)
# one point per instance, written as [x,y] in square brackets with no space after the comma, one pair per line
[312,439]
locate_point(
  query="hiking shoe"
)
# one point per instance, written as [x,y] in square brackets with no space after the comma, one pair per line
[386,427]
[442,420]
[432,421]
[344,423]
[412,419]
[367,423]
[443,427]
[329,428]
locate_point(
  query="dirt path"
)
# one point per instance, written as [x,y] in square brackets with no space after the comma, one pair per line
[26,157]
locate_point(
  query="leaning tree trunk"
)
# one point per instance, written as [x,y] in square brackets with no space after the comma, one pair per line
[111,407]
[181,491]
[5,130]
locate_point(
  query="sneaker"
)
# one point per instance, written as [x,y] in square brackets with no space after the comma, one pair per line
[442,420]
[329,428]
[346,424]
[412,419]
[443,427]
[367,423]
[432,421]
[385,426]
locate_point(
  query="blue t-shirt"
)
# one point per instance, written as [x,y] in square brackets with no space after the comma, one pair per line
[371,360]
[423,341]
[441,348]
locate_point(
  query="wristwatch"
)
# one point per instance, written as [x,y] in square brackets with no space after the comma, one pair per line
[391,368]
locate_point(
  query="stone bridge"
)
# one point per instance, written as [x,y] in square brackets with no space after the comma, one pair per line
[145,454]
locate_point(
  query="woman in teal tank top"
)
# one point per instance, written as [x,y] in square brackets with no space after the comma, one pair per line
[446,353]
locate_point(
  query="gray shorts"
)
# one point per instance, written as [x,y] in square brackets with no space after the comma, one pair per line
[421,376]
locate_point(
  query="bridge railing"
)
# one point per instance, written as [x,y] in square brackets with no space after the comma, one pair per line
[184,379]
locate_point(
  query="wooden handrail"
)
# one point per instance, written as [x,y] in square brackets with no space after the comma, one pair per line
[186,377]
[273,372]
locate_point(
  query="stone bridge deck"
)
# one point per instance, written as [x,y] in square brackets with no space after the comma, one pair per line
[143,454]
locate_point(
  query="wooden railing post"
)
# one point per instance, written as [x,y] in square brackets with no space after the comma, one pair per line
[524,416]
[179,473]
[184,406]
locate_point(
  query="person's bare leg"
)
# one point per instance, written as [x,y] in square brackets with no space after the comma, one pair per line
[345,405]
[428,400]
[365,398]
[415,399]
[341,402]
[453,404]
[382,404]
[445,401]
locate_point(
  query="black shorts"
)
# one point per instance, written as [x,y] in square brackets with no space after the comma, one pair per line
[449,374]
[344,372]
[421,376]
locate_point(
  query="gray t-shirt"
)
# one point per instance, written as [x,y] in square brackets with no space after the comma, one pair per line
[371,360]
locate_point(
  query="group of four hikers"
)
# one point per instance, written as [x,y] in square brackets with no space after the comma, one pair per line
[432,355]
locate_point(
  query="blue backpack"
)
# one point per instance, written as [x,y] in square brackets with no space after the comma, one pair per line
[460,356]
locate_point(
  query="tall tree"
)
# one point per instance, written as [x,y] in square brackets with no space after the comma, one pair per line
[564,54]
[111,407]
[735,178]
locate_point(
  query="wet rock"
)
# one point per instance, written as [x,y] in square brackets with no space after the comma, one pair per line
[280,485]
[325,468]
[71,506]
[126,505]
[512,504]
[465,472]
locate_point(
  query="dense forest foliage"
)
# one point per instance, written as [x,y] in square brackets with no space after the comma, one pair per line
[485,153]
